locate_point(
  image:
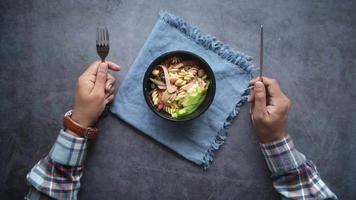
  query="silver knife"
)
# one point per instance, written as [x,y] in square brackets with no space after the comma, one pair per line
[261,53]
[261,57]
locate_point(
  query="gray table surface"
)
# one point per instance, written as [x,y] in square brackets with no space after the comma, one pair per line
[310,47]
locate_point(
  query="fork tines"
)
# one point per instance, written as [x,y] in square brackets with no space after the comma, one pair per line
[102,42]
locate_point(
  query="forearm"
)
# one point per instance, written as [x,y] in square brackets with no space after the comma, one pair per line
[58,174]
[292,174]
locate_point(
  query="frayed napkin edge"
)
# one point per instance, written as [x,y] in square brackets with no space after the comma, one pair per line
[222,134]
[240,60]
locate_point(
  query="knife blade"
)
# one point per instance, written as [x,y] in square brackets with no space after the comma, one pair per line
[261,57]
[261,52]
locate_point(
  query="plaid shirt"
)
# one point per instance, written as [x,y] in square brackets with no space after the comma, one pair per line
[58,174]
[293,176]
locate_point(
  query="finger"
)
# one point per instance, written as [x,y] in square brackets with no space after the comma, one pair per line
[101,76]
[260,98]
[110,81]
[251,95]
[93,68]
[109,99]
[249,98]
[110,92]
[273,88]
[272,85]
[108,87]
[107,95]
[113,66]
[253,81]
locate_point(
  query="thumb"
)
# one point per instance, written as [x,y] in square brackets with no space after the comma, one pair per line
[260,98]
[101,76]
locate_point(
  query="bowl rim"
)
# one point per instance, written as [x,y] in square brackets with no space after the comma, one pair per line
[212,86]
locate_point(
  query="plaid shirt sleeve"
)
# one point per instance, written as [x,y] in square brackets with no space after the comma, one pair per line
[58,175]
[293,176]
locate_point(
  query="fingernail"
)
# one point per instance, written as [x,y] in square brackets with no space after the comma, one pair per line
[259,85]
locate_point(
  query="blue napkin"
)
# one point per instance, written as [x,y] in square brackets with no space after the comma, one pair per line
[195,140]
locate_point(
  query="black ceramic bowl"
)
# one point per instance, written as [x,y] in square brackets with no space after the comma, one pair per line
[185,55]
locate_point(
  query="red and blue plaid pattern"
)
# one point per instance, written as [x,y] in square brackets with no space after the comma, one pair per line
[293,176]
[58,174]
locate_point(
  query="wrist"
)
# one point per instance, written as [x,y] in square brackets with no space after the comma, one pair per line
[74,128]
[80,119]
[269,138]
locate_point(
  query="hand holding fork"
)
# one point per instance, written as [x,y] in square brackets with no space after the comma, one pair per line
[95,87]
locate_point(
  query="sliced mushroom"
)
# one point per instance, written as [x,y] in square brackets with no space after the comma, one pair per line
[201,83]
[161,87]
[185,63]
[193,70]
[189,85]
[201,73]
[170,88]
[157,82]
[165,96]
[179,65]
[155,72]
[175,60]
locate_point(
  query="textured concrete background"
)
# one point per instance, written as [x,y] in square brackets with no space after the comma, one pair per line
[310,47]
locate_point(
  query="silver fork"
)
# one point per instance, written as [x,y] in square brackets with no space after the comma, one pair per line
[102,43]
[103,47]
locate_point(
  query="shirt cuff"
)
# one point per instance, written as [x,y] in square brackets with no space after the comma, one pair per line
[281,156]
[68,150]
